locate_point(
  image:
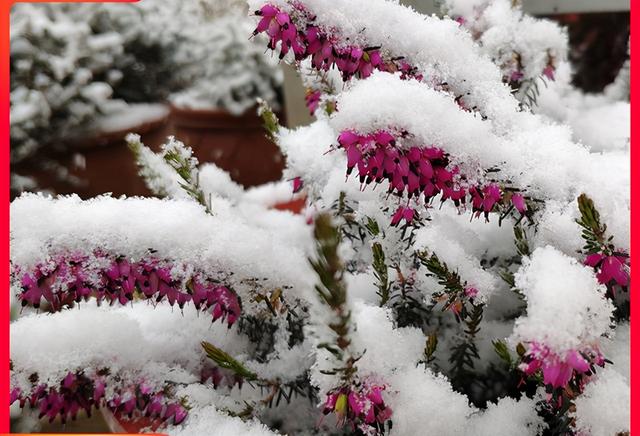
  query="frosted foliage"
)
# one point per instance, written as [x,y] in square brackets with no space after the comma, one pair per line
[556,286]
[452,252]
[604,407]
[59,85]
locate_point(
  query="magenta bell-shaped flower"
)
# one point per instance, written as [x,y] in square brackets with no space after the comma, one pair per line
[403,213]
[519,203]
[360,406]
[299,34]
[611,269]
[558,370]
[614,269]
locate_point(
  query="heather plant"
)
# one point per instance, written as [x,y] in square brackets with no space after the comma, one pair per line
[461,265]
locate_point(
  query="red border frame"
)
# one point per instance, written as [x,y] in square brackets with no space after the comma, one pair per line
[635,186]
[5,8]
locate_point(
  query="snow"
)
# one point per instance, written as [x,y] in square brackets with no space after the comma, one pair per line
[179,230]
[507,417]
[602,122]
[155,344]
[603,409]
[425,403]
[375,332]
[205,421]
[618,350]
[566,307]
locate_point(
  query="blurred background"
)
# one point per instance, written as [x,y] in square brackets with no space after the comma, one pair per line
[85,75]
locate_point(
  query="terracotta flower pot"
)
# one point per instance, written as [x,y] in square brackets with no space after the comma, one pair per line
[96,163]
[118,424]
[236,144]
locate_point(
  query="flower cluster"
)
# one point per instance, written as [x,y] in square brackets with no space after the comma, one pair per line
[80,392]
[220,377]
[558,370]
[307,40]
[75,278]
[611,269]
[418,171]
[360,407]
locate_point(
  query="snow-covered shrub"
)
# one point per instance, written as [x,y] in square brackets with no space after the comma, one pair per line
[470,276]
[223,68]
[61,75]
[528,50]
[71,65]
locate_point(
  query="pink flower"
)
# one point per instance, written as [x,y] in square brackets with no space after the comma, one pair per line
[78,391]
[483,200]
[611,269]
[306,40]
[593,260]
[298,184]
[403,213]
[312,100]
[614,269]
[75,278]
[14,395]
[471,292]
[558,370]
[516,76]
[519,203]
[549,72]
[362,406]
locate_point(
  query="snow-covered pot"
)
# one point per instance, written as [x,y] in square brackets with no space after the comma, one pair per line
[99,160]
[236,144]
